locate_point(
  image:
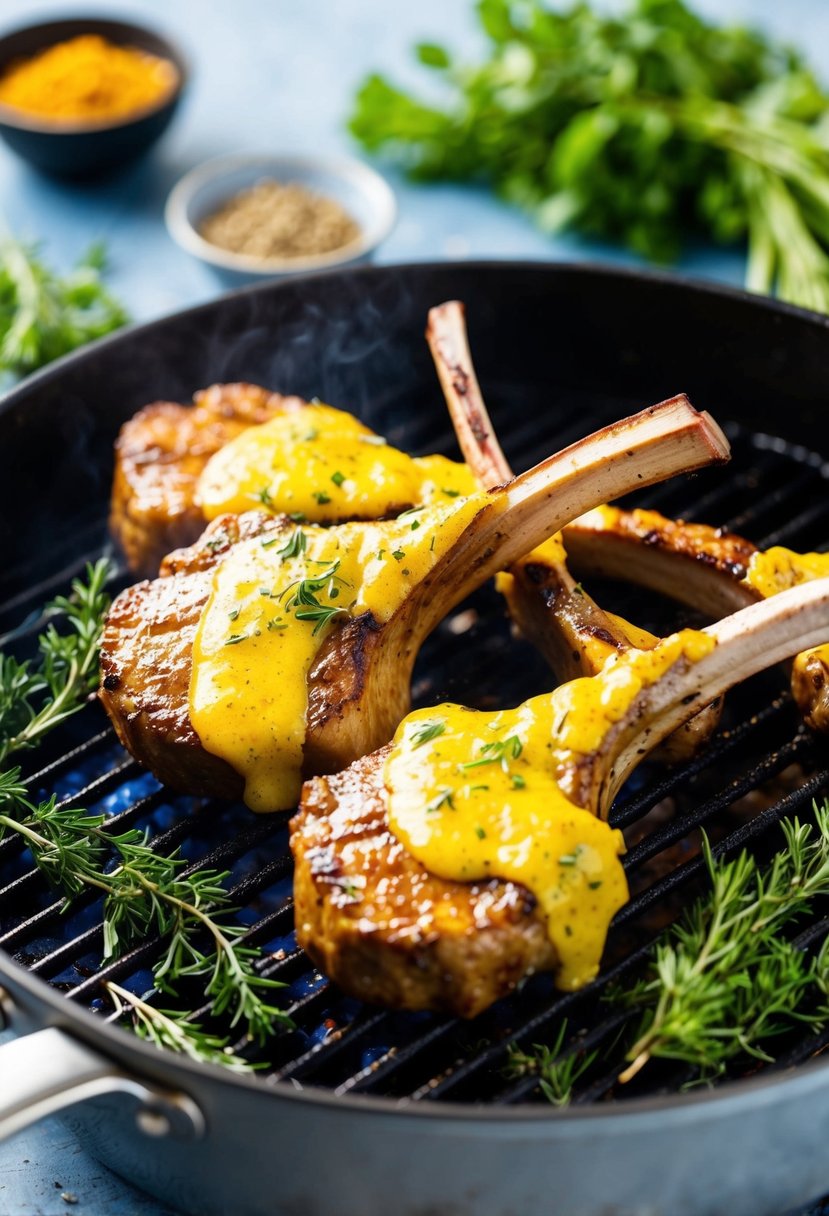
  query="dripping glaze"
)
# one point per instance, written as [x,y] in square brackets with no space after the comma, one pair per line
[474,795]
[273,602]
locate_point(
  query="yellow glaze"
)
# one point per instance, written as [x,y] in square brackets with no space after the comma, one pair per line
[477,795]
[596,650]
[252,652]
[777,569]
[323,464]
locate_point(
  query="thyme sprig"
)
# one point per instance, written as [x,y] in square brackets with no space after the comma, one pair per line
[145,893]
[557,1071]
[175,1031]
[728,978]
[36,695]
[723,982]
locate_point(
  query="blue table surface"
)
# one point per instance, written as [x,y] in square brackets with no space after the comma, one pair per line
[278,75]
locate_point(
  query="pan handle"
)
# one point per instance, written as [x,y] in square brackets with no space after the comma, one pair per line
[48,1070]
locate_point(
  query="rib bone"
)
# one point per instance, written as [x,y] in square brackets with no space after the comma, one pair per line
[572,632]
[698,565]
[668,438]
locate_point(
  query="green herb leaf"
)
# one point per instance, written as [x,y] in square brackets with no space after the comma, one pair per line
[44,315]
[427,731]
[644,126]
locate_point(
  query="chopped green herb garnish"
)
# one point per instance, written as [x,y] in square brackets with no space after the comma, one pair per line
[236,638]
[445,798]
[480,833]
[321,497]
[338,478]
[234,612]
[305,601]
[450,493]
[427,732]
[295,546]
[398,554]
[500,752]
[518,782]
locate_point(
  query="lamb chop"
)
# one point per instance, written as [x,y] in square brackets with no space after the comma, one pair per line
[161,452]
[462,931]
[709,569]
[548,606]
[355,673]
[177,467]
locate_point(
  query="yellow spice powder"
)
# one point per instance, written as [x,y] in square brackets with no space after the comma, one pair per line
[87,79]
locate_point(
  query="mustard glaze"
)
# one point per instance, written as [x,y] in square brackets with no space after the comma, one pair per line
[323,464]
[476,795]
[778,569]
[256,640]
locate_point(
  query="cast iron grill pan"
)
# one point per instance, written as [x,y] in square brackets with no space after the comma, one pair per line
[773,768]
[761,766]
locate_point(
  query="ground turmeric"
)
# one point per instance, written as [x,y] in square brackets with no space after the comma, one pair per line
[87,79]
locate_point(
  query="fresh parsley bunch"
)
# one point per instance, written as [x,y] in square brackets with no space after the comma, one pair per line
[640,128]
[43,315]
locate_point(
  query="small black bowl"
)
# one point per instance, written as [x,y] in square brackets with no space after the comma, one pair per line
[75,149]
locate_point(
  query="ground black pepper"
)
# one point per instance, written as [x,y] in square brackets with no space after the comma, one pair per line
[279,220]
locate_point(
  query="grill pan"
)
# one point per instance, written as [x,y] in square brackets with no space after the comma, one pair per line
[362,1111]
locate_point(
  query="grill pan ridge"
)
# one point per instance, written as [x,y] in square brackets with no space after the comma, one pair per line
[561,351]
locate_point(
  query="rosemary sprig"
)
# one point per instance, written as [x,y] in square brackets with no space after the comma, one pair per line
[173,1030]
[557,1073]
[143,892]
[36,696]
[305,601]
[727,979]
[146,892]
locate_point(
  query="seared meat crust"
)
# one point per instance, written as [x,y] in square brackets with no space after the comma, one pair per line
[159,456]
[147,658]
[384,928]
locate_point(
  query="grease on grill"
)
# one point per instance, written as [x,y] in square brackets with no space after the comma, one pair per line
[280,220]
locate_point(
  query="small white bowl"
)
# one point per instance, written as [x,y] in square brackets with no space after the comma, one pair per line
[364,194]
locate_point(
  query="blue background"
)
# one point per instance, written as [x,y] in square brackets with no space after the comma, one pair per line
[279,75]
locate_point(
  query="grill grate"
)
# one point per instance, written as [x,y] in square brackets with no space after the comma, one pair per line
[761,767]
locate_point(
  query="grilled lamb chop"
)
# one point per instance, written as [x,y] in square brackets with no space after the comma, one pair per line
[708,569]
[549,607]
[391,933]
[160,454]
[358,686]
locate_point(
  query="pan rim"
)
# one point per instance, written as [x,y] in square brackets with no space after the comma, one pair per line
[597,269]
[729,1098]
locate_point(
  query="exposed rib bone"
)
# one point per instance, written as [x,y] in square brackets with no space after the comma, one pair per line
[697,565]
[569,628]
[748,641]
[374,664]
